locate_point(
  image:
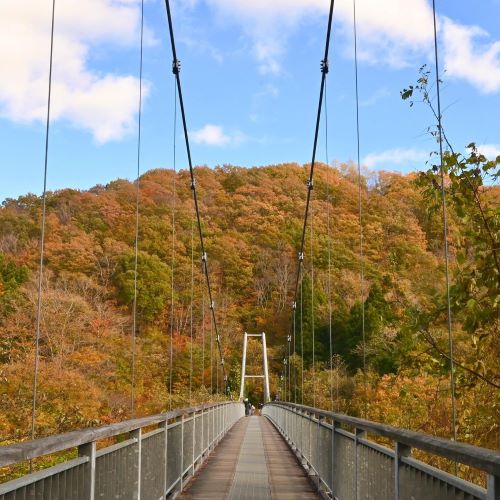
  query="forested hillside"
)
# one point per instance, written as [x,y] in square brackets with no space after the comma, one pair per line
[252,221]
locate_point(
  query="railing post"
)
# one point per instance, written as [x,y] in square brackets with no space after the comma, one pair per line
[182,450]
[212,441]
[493,492]
[335,425]
[400,450]
[165,455]
[358,434]
[194,440]
[89,450]
[137,434]
[202,447]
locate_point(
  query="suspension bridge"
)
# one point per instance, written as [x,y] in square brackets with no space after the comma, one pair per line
[215,450]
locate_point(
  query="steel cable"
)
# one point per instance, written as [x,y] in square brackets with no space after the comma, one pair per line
[329,237]
[176,71]
[310,185]
[42,235]
[445,230]
[191,315]
[137,201]
[172,280]
[360,214]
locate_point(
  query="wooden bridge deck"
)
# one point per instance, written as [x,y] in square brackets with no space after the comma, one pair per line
[251,462]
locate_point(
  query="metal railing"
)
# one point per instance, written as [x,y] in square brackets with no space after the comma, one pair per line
[147,464]
[347,465]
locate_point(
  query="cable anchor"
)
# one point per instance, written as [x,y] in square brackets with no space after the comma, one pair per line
[176,67]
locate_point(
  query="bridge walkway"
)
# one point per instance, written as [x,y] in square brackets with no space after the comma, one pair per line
[251,462]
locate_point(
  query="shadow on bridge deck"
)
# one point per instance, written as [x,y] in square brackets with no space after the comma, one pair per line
[252,462]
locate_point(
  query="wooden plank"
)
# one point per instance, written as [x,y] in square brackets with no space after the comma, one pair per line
[214,478]
[288,479]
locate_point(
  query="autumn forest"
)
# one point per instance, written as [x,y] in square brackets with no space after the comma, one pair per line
[252,221]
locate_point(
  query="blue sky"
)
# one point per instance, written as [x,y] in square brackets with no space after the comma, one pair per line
[250,73]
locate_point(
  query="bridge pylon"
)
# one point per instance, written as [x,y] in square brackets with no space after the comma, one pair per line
[264,375]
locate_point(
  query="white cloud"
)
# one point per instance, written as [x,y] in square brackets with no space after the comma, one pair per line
[214,135]
[479,64]
[491,151]
[103,103]
[211,135]
[391,32]
[395,157]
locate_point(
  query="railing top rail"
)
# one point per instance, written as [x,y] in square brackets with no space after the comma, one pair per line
[28,450]
[475,456]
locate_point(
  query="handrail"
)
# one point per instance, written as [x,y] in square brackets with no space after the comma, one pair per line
[475,456]
[27,450]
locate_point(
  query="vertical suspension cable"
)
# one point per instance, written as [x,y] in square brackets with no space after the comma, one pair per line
[137,200]
[313,333]
[289,343]
[302,337]
[172,282]
[445,234]
[203,338]
[329,237]
[294,352]
[191,314]
[42,235]
[360,206]
[211,355]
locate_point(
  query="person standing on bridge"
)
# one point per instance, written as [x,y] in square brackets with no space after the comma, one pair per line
[248,407]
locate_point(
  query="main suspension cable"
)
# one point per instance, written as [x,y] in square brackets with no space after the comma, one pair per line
[310,182]
[137,201]
[360,206]
[445,231]
[176,71]
[42,235]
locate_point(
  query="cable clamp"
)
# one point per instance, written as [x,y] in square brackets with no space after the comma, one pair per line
[284,361]
[222,362]
[310,185]
[212,305]
[289,338]
[301,256]
[176,67]
[325,67]
[217,339]
[294,305]
[193,184]
[204,257]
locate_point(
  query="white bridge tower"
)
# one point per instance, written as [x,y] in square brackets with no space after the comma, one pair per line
[264,376]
